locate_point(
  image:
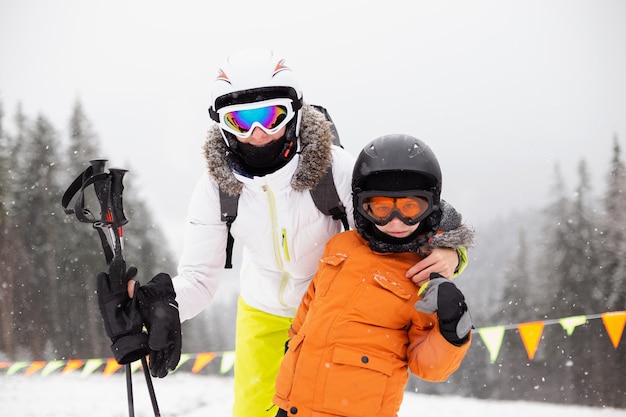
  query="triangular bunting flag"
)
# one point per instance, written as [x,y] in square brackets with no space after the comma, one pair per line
[492,337]
[51,367]
[228,360]
[183,358]
[34,367]
[111,367]
[614,324]
[202,359]
[16,366]
[570,323]
[134,366]
[91,366]
[531,334]
[72,365]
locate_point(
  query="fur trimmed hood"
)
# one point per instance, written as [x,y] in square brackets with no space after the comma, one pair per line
[314,147]
[455,233]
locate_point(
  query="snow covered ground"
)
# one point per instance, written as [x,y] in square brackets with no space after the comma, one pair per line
[189,395]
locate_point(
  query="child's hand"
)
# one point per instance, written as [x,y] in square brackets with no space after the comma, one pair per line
[442,296]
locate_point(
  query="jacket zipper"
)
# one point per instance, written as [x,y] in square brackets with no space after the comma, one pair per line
[276,243]
[285,245]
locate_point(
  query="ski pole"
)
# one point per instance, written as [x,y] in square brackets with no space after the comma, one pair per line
[116,219]
[129,390]
[109,189]
[146,372]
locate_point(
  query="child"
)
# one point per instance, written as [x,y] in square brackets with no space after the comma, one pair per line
[361,322]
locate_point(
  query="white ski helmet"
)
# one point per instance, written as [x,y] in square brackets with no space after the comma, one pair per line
[254,76]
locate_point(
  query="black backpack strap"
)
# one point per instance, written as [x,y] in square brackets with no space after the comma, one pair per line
[325,193]
[327,200]
[333,128]
[228,205]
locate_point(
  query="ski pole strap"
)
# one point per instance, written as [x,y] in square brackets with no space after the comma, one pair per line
[108,189]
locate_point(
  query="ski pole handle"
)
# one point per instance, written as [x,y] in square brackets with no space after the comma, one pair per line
[117,188]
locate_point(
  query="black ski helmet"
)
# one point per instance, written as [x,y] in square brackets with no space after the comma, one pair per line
[392,163]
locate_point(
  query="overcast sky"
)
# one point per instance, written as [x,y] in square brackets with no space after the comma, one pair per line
[501,90]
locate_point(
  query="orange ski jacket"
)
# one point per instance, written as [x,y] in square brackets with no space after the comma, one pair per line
[355,334]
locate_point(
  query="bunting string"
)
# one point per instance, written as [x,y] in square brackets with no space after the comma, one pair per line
[492,336]
[109,366]
[531,332]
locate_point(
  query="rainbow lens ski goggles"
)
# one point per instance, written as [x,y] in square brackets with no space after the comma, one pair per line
[270,115]
[381,206]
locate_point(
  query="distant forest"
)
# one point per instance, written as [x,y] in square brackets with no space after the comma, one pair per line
[49,260]
[565,259]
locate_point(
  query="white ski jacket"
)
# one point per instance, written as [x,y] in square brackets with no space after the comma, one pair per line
[282,232]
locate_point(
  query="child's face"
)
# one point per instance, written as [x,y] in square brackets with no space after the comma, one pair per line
[396,228]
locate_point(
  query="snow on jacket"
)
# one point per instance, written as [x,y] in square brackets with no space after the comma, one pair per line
[355,333]
[282,232]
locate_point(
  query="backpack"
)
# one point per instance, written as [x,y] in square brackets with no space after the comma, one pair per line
[324,196]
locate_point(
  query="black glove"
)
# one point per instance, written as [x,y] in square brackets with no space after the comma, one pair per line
[122,321]
[442,296]
[281,413]
[159,310]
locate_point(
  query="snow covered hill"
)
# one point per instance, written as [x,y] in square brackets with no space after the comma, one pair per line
[189,395]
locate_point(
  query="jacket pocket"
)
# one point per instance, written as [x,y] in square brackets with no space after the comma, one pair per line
[328,268]
[357,381]
[284,382]
[382,303]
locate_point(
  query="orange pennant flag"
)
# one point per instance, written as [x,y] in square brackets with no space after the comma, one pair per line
[614,324]
[531,335]
[111,367]
[34,367]
[72,365]
[201,361]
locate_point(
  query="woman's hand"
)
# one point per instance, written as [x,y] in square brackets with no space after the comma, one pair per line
[441,260]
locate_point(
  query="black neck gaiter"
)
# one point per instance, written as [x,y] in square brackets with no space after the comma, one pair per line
[383,243]
[262,160]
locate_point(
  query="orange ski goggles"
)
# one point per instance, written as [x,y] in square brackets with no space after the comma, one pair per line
[410,207]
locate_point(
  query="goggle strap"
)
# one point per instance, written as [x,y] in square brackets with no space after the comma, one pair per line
[214,115]
[257,95]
